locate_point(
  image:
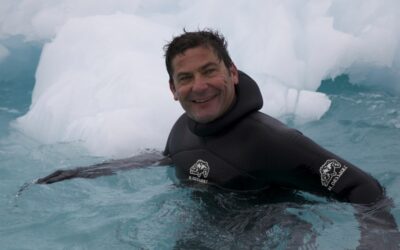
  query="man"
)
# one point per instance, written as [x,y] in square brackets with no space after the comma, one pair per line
[223,140]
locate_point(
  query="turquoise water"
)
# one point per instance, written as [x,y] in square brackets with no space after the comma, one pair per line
[146,209]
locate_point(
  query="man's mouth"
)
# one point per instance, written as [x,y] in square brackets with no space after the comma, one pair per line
[203,100]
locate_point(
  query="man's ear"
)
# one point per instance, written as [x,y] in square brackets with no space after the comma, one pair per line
[173,90]
[234,73]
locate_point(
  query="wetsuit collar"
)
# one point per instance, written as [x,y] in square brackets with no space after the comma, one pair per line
[248,99]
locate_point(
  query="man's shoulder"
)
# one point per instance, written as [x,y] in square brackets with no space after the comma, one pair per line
[265,126]
[265,121]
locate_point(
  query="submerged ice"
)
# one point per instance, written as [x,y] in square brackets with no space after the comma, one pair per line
[101,77]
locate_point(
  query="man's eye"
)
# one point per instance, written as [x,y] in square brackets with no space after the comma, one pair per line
[183,79]
[209,71]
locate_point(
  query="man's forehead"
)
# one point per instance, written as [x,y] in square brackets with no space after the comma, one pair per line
[196,57]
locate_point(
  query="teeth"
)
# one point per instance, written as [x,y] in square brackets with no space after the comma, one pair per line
[200,101]
[203,100]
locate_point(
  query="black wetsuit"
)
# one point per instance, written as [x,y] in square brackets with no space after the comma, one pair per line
[248,150]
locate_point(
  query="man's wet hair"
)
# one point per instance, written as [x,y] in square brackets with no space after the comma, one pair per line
[188,40]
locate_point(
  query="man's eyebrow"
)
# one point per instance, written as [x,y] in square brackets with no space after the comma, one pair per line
[203,67]
[180,74]
[208,65]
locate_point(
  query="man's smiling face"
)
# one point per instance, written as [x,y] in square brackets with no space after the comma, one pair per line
[202,83]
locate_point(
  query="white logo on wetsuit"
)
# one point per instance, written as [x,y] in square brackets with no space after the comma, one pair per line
[330,172]
[199,169]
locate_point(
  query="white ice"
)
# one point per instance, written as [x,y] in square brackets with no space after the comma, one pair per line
[101,77]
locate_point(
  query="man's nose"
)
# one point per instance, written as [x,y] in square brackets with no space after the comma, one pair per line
[200,83]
